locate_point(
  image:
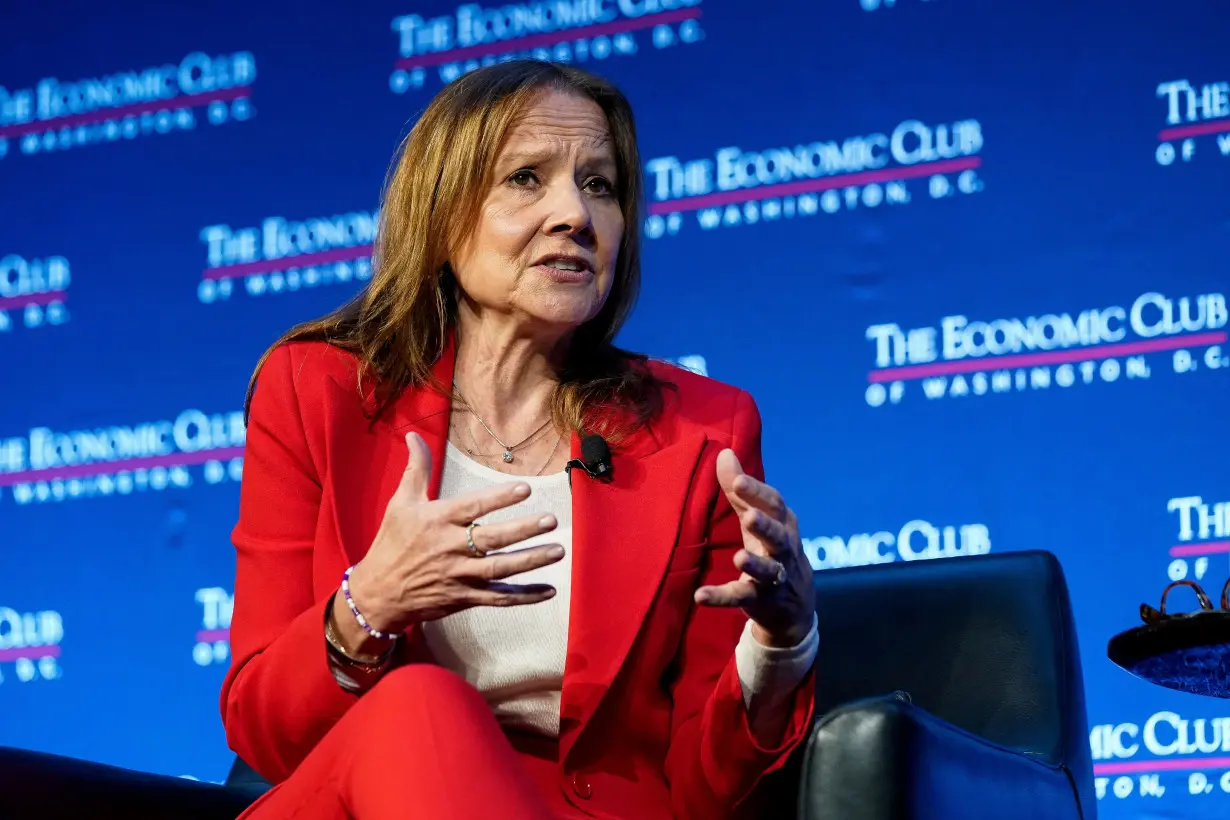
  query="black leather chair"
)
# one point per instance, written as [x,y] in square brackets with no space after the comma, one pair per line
[948,689]
[945,689]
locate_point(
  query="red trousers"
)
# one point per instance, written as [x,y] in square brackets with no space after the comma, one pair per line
[422,743]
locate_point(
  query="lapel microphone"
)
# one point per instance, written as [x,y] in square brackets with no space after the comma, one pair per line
[595,459]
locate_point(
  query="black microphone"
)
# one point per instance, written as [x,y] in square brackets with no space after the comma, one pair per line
[595,459]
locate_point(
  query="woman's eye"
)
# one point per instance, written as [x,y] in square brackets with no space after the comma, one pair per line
[600,185]
[522,178]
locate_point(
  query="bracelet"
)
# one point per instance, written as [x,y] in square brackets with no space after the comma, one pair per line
[339,653]
[375,633]
[352,675]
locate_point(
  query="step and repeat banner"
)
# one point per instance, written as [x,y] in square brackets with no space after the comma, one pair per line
[970,258]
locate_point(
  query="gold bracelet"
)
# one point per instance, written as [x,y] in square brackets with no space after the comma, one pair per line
[369,662]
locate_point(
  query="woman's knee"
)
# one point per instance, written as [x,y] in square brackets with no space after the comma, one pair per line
[420,701]
[424,685]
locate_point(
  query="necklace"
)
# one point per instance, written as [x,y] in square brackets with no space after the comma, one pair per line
[475,451]
[558,439]
[485,456]
[508,449]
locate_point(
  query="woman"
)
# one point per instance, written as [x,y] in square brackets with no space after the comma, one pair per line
[433,617]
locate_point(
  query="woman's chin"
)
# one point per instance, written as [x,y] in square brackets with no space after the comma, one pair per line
[565,314]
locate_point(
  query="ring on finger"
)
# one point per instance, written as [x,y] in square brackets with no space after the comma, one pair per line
[474,550]
[779,576]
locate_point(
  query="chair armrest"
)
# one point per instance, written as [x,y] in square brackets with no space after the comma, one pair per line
[39,785]
[884,759]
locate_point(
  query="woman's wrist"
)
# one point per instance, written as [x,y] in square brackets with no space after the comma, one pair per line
[347,656]
[356,640]
[786,640]
[354,671]
[377,608]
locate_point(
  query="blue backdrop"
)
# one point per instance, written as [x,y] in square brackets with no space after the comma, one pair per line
[969,257]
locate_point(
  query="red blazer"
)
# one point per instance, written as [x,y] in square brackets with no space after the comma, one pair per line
[652,713]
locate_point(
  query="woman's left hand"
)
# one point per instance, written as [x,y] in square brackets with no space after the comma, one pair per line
[775,587]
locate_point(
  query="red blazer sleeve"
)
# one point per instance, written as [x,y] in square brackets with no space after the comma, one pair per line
[279,697]
[714,761]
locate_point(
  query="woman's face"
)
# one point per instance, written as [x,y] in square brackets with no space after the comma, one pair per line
[548,233]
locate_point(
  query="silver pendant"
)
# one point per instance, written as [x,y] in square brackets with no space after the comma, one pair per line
[508,456]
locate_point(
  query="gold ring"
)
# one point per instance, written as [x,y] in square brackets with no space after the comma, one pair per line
[470,540]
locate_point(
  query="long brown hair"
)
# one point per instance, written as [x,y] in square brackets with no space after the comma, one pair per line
[399,324]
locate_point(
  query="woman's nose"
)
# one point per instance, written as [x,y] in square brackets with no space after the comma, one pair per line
[568,212]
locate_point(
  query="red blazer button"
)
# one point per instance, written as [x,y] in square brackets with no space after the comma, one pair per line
[581,786]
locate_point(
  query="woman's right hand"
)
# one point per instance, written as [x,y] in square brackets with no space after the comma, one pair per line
[420,568]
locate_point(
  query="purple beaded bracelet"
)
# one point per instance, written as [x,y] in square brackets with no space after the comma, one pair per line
[358,616]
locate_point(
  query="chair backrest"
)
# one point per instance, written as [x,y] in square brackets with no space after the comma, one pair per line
[244,777]
[986,643]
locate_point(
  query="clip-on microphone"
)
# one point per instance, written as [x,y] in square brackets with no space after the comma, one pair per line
[595,459]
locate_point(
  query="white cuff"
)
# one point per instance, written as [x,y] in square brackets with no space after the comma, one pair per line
[769,675]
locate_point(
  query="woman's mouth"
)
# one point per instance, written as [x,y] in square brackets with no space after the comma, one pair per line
[565,269]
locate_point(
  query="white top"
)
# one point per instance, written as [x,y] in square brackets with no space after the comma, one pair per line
[515,655]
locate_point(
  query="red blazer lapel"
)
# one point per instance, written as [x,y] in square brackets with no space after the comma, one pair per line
[623,533]
[426,412]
